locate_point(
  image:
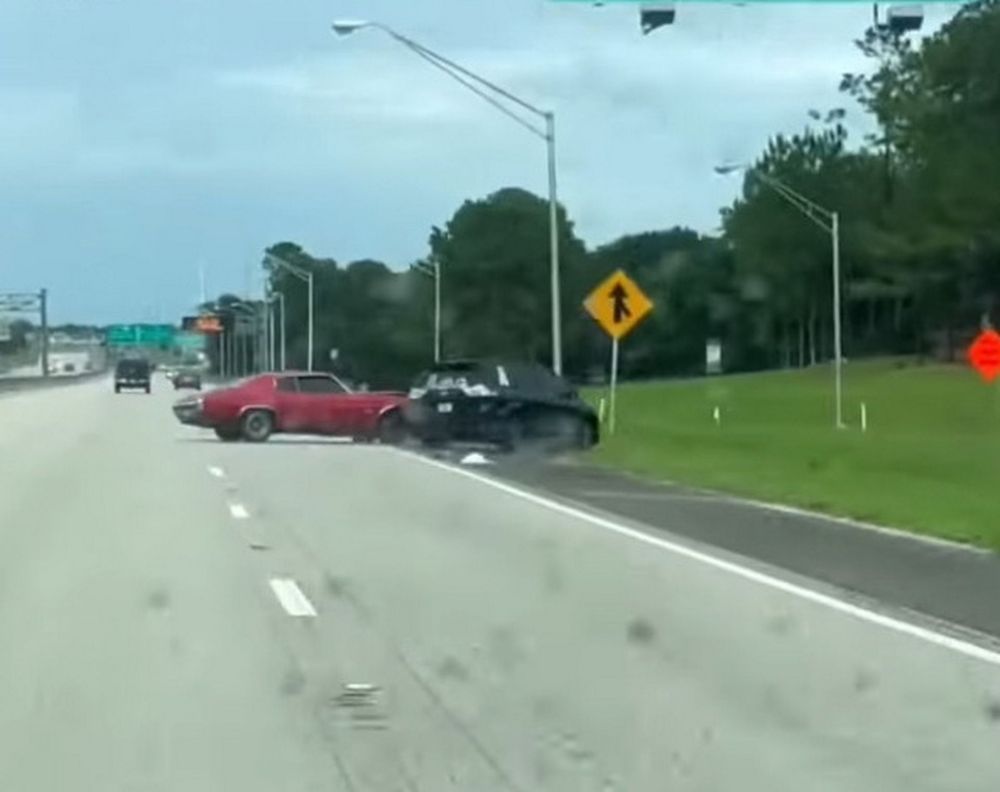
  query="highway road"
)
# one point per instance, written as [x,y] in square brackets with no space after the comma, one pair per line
[183,614]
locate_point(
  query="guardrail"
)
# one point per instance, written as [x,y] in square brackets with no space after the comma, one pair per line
[8,384]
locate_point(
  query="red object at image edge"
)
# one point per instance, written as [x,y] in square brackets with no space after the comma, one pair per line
[984,354]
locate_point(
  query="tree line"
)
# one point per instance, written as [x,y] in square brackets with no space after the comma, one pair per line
[919,208]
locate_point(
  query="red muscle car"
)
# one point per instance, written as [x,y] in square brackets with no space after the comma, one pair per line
[298,403]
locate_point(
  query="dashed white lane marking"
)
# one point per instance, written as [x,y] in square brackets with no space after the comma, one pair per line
[873,617]
[291,598]
[238,511]
[217,472]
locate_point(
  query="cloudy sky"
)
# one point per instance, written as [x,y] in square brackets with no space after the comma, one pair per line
[142,140]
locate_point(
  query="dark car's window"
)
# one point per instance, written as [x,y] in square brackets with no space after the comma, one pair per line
[319,385]
[132,368]
[287,385]
[462,377]
[538,381]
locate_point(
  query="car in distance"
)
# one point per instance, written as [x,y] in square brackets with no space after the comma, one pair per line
[295,403]
[132,374]
[186,379]
[510,404]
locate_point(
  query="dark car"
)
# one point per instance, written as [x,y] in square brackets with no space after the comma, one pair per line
[187,379]
[132,375]
[503,403]
[296,403]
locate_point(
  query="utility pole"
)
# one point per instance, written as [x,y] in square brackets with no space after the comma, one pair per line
[43,315]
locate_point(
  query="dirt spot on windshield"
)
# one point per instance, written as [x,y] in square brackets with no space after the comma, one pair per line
[864,680]
[452,668]
[782,624]
[293,683]
[505,648]
[993,710]
[158,599]
[640,632]
[336,587]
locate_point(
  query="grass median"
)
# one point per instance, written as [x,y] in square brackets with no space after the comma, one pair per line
[928,462]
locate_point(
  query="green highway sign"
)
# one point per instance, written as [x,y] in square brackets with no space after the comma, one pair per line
[190,341]
[141,335]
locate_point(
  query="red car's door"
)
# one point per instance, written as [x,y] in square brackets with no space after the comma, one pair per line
[300,409]
[327,404]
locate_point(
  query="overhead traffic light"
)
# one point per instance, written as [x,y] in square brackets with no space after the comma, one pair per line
[656,15]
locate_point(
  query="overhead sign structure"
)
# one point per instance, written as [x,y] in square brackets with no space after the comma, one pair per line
[140,335]
[618,305]
[984,354]
[208,323]
[190,341]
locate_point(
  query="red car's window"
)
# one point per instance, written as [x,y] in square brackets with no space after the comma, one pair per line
[319,384]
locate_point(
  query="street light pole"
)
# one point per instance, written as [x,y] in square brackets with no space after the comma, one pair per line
[838,357]
[829,221]
[477,84]
[550,145]
[302,274]
[437,309]
[284,328]
[434,272]
[311,328]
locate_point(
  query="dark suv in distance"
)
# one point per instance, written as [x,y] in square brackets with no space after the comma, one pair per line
[132,375]
[506,403]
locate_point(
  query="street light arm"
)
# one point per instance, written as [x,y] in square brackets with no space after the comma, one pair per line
[457,72]
[820,216]
[294,269]
[413,45]
[443,65]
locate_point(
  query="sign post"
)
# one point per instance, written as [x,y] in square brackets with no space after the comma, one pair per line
[614,385]
[618,305]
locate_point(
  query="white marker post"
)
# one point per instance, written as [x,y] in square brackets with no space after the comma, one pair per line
[614,385]
[864,417]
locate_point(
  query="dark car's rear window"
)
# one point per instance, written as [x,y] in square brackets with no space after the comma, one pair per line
[132,368]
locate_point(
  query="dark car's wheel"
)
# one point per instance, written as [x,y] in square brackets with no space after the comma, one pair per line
[257,426]
[148,390]
[512,433]
[118,389]
[227,433]
[571,432]
[391,428]
[586,434]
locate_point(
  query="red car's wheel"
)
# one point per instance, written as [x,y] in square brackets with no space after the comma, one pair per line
[392,428]
[257,425]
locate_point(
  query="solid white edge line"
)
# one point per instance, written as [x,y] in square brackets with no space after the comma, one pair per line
[898,533]
[238,511]
[850,609]
[291,598]
[833,519]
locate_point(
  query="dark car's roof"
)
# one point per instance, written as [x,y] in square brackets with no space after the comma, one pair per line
[526,377]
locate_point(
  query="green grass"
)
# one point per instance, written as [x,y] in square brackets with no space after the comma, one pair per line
[929,462]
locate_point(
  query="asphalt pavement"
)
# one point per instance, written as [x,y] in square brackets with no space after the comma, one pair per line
[182,614]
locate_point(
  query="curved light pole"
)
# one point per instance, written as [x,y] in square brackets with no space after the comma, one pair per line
[469,79]
[434,271]
[829,221]
[270,260]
